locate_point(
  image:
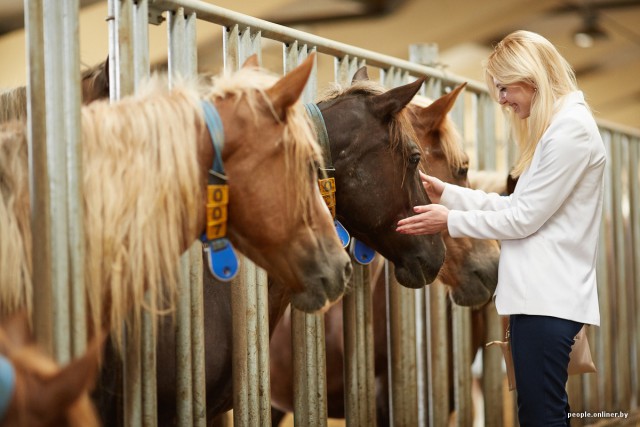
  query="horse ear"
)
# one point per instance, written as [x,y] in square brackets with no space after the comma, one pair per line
[434,114]
[251,62]
[390,103]
[360,75]
[64,388]
[288,89]
[102,80]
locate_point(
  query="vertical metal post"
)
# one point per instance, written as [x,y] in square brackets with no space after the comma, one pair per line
[55,184]
[252,405]
[437,345]
[191,394]
[634,220]
[359,378]
[123,79]
[307,330]
[493,376]
[41,222]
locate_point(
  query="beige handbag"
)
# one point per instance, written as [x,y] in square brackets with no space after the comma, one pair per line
[580,361]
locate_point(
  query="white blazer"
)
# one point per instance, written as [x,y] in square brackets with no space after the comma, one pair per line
[549,226]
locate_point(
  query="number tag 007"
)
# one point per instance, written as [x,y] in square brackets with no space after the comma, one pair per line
[217,201]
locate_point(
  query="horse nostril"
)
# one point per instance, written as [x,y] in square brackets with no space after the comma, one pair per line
[348,270]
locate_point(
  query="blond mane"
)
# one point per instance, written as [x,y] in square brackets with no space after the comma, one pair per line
[450,138]
[141,194]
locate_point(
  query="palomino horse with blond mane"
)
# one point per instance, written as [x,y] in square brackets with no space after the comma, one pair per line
[34,390]
[469,270]
[146,159]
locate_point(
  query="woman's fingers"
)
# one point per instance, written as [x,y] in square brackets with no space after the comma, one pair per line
[429,219]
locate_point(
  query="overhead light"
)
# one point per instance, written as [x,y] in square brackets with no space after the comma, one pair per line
[590,32]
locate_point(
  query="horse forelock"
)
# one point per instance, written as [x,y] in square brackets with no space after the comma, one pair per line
[141,191]
[301,148]
[401,132]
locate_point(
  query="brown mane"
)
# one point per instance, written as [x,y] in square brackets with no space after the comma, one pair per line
[400,128]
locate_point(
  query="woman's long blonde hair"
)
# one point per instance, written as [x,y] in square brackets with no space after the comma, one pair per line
[524,56]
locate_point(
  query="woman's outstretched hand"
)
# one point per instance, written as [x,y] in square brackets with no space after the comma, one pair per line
[433,186]
[429,219]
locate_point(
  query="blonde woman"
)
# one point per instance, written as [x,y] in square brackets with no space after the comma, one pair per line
[548,227]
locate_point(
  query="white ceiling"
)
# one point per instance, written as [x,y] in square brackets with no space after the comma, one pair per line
[609,72]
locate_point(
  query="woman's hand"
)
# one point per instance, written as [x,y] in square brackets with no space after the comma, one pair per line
[433,186]
[430,219]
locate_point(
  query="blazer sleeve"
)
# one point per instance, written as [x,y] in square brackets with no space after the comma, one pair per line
[565,154]
[466,199]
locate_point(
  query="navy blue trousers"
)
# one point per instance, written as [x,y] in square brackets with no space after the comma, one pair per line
[540,346]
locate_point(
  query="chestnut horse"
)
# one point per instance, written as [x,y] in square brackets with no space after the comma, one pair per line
[146,160]
[469,270]
[95,85]
[374,145]
[34,390]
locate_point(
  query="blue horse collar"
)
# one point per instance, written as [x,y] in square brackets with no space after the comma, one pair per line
[221,258]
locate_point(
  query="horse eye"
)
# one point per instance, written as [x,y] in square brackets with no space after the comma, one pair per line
[414,159]
[463,171]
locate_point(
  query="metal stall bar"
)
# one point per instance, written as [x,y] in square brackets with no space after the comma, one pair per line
[401,317]
[359,381]
[462,358]
[249,298]
[148,393]
[438,363]
[622,390]
[634,219]
[190,395]
[55,177]
[461,318]
[607,286]
[269,30]
[122,77]
[307,330]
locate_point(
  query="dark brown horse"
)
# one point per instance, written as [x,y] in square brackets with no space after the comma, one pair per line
[470,271]
[373,151]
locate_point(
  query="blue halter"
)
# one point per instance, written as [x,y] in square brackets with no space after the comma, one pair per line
[360,252]
[221,258]
[7,384]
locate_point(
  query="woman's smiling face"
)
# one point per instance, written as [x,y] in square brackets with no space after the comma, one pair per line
[518,96]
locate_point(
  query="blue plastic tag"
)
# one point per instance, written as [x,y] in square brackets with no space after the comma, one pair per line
[222,259]
[361,253]
[7,384]
[343,234]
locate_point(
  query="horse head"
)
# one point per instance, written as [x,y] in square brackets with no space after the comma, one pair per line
[471,265]
[40,393]
[376,163]
[277,217]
